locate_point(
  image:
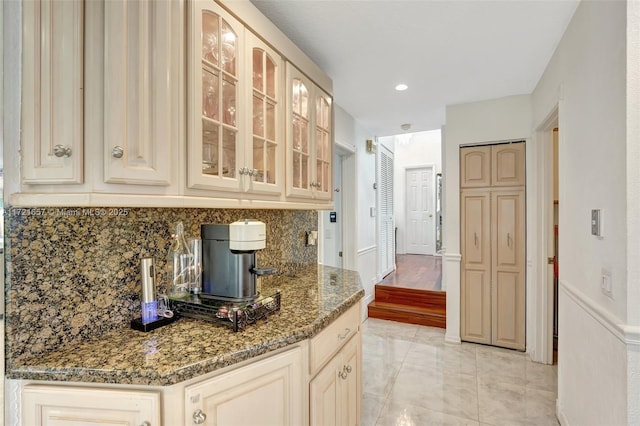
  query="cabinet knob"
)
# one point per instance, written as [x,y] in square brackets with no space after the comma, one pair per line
[343,375]
[117,152]
[348,368]
[145,423]
[199,417]
[62,151]
[254,172]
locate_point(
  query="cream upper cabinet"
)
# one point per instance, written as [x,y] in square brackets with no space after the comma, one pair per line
[235,120]
[215,103]
[309,138]
[264,161]
[52,127]
[140,103]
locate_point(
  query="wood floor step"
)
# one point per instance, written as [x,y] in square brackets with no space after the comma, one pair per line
[410,296]
[433,317]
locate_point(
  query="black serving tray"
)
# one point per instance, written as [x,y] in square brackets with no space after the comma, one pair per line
[235,315]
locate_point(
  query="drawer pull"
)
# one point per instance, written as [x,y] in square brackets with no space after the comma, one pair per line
[343,374]
[348,368]
[345,334]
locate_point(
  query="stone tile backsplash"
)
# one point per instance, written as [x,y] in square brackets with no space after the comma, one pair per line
[73,273]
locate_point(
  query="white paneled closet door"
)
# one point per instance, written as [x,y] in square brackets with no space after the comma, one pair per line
[386,237]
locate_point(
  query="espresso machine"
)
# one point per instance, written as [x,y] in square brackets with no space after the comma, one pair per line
[229,269]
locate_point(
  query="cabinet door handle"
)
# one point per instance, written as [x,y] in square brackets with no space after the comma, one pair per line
[343,374]
[345,334]
[475,239]
[199,417]
[348,368]
[62,151]
[509,240]
[145,423]
[117,151]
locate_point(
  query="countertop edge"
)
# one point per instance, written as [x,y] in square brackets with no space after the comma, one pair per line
[181,374]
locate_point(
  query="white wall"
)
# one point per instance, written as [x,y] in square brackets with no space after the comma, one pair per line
[412,149]
[587,77]
[479,122]
[348,130]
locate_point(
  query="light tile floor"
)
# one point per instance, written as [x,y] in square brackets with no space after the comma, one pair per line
[411,377]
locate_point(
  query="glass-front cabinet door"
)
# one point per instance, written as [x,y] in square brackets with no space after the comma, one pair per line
[215,98]
[299,134]
[263,162]
[324,151]
[309,138]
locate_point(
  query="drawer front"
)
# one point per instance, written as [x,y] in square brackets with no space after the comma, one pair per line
[331,339]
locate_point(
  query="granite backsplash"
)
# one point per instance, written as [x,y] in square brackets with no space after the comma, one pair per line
[73,273]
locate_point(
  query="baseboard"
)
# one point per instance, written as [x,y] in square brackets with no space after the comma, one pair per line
[560,414]
[364,303]
[452,339]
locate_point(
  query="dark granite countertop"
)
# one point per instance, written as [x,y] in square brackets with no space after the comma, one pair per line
[187,348]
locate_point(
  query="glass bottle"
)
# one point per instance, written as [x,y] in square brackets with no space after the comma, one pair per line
[179,260]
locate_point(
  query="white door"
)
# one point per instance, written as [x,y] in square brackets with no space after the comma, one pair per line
[386,234]
[332,243]
[420,208]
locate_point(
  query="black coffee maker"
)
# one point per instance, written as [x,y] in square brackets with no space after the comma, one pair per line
[229,269]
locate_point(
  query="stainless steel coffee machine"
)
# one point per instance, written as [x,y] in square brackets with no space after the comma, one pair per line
[229,269]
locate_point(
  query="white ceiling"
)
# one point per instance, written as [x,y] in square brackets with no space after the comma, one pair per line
[447,52]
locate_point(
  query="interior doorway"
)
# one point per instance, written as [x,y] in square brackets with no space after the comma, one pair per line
[420,210]
[331,238]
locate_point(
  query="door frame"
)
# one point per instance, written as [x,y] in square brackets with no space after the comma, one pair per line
[349,208]
[406,200]
[540,295]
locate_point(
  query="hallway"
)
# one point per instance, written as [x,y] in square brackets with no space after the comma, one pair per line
[410,376]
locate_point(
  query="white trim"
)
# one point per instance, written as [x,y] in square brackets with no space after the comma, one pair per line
[539,222]
[629,335]
[364,305]
[366,250]
[451,273]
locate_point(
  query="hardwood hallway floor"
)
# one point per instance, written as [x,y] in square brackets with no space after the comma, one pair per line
[416,271]
[412,293]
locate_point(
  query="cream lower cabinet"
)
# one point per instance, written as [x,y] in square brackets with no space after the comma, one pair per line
[335,388]
[268,392]
[334,392]
[44,405]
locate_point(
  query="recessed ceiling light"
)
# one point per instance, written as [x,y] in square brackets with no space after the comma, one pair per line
[401,87]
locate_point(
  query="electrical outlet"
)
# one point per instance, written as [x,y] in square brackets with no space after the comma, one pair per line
[605,282]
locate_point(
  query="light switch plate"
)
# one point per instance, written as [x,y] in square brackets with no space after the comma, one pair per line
[596,223]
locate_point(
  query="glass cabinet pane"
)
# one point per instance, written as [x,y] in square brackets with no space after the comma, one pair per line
[270,74]
[258,116]
[270,169]
[210,36]
[271,121]
[258,70]
[209,148]
[228,47]
[258,158]
[229,101]
[228,153]
[210,95]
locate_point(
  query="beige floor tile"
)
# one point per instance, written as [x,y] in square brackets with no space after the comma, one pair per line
[396,413]
[501,365]
[542,376]
[505,403]
[452,358]
[393,329]
[441,391]
[371,408]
